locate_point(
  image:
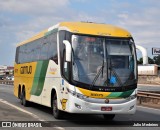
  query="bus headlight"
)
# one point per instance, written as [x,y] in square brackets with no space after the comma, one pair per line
[71,92]
[78,95]
[81,96]
[132,97]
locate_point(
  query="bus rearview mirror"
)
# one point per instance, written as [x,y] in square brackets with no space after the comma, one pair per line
[68,50]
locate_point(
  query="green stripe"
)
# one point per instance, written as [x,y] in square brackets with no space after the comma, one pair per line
[127,93]
[120,94]
[39,77]
[114,95]
[50,32]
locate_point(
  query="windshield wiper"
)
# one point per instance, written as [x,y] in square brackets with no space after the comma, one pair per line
[102,67]
[97,75]
[115,74]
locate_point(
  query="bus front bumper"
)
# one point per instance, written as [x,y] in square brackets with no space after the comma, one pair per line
[76,105]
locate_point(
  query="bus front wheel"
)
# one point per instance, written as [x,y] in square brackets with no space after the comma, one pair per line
[108,117]
[56,112]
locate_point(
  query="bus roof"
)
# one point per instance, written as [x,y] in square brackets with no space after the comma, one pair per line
[84,28]
[95,29]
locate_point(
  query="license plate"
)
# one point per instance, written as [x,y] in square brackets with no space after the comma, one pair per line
[106,108]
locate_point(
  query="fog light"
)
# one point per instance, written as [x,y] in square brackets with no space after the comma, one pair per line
[78,106]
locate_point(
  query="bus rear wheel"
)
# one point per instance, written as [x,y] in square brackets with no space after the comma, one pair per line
[23,100]
[109,117]
[56,112]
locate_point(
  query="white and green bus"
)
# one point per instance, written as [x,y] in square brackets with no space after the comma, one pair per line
[78,67]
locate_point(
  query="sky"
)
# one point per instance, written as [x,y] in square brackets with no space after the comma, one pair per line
[21,19]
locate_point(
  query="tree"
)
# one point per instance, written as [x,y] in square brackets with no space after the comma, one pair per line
[141,60]
[138,62]
[157,59]
[150,61]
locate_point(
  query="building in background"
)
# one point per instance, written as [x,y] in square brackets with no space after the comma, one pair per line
[150,69]
[6,70]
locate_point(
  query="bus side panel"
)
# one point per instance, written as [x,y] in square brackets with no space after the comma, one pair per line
[52,81]
[38,78]
[38,81]
[24,77]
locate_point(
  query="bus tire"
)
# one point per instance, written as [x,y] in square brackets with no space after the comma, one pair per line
[19,92]
[21,98]
[109,117]
[24,102]
[56,112]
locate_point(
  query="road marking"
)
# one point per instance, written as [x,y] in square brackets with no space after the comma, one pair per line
[59,128]
[149,108]
[33,115]
[22,110]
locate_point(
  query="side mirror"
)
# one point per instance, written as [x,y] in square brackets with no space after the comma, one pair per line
[68,50]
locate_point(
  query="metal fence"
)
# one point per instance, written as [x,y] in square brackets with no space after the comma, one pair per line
[148,98]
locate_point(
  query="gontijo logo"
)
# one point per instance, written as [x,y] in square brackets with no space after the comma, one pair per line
[52,70]
[26,70]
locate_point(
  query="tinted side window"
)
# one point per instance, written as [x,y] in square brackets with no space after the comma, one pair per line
[52,51]
[17,55]
[61,49]
[44,51]
[41,49]
[21,53]
[65,71]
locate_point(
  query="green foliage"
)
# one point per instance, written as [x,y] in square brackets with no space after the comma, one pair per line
[140,61]
[157,59]
[150,61]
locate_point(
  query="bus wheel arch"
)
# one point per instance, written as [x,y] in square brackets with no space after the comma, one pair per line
[53,92]
[23,88]
[58,114]
[24,102]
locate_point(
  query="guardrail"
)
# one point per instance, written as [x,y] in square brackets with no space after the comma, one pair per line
[7,82]
[148,98]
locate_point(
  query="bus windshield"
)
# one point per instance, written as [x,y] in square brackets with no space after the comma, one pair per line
[102,61]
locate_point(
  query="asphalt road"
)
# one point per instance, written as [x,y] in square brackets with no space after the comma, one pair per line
[40,113]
